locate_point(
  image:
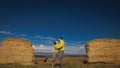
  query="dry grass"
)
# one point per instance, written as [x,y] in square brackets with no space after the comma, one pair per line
[69,62]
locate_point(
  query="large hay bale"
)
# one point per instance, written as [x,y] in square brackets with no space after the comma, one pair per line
[103,50]
[16,50]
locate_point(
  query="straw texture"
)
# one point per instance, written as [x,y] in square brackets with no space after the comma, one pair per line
[103,50]
[16,50]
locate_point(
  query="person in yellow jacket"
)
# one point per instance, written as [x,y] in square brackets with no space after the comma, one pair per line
[58,51]
[56,45]
[61,48]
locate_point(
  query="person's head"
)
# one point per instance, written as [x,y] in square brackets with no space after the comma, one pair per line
[60,38]
[55,42]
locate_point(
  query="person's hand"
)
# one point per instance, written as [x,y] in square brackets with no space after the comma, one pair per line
[57,48]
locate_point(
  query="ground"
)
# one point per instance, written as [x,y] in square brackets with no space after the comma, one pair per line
[69,62]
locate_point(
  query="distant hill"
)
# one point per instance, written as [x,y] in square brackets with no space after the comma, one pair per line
[50,53]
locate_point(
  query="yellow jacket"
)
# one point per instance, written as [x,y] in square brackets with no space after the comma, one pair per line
[56,48]
[61,46]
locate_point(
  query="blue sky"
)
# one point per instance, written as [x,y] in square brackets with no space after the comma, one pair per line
[42,22]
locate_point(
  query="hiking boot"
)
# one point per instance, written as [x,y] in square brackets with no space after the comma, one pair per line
[61,65]
[46,59]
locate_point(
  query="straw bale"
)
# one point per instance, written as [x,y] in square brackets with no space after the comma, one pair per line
[103,50]
[16,50]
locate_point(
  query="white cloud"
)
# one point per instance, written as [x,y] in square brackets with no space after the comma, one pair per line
[78,50]
[6,32]
[45,38]
[42,48]
[45,44]
[23,35]
[39,37]
[50,38]
[71,47]
[75,43]
[41,45]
